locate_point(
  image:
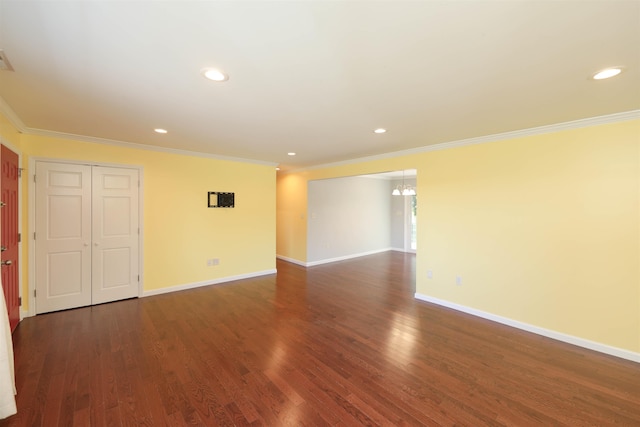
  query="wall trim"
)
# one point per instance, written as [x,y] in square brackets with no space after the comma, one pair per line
[406,251]
[559,336]
[574,124]
[291,260]
[21,127]
[11,116]
[342,258]
[133,145]
[203,283]
[345,257]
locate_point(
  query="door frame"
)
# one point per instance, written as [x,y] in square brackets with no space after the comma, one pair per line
[408,225]
[32,219]
[13,148]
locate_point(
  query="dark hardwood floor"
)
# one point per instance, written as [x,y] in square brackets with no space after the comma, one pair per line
[340,344]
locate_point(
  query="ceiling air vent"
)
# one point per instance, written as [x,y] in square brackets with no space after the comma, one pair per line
[4,62]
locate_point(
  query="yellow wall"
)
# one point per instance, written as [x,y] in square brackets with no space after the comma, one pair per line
[179,231]
[291,214]
[543,229]
[9,133]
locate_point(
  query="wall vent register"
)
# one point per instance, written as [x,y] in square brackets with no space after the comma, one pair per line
[218,199]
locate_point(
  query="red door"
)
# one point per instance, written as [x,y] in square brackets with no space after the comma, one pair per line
[9,237]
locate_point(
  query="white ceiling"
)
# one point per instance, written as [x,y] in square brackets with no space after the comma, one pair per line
[313,77]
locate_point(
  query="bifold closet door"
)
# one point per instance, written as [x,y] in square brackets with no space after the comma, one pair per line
[86,235]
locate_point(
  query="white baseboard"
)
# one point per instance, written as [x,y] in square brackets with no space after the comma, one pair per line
[342,258]
[345,257]
[206,283]
[24,313]
[292,260]
[570,339]
[406,251]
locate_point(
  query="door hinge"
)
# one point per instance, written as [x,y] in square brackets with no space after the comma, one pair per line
[34,235]
[34,293]
[20,301]
[20,172]
[19,237]
[138,277]
[34,178]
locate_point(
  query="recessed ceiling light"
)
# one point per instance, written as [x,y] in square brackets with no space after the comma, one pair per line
[380,130]
[291,154]
[215,75]
[277,169]
[605,74]
[158,130]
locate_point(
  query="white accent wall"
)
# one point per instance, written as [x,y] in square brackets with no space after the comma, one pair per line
[348,217]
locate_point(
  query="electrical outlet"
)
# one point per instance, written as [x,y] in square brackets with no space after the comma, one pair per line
[429,274]
[213,261]
[458,280]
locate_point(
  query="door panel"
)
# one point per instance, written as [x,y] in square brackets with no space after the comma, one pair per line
[9,237]
[65,274]
[115,234]
[63,236]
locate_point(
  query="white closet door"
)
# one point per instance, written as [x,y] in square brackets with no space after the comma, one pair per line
[63,240]
[115,234]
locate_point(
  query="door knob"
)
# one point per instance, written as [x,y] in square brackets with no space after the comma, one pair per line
[3,248]
[8,262]
[2,204]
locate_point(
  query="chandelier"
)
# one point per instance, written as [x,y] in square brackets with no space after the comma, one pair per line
[404,189]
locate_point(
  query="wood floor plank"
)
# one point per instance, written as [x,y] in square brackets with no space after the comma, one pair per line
[340,344]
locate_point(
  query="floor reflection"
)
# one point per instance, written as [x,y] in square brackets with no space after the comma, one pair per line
[401,340]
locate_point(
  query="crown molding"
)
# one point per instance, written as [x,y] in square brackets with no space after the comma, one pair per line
[575,124]
[392,175]
[11,115]
[8,112]
[94,140]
